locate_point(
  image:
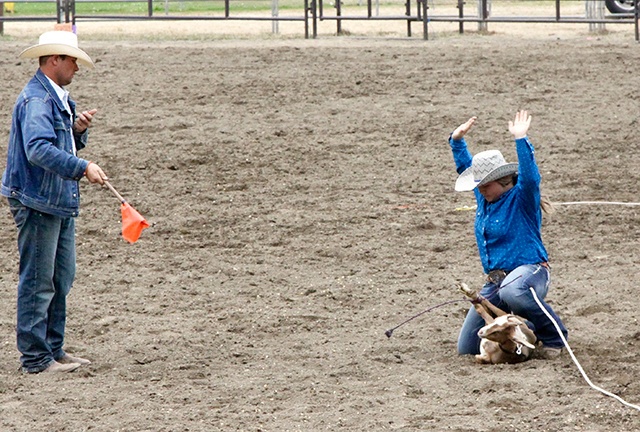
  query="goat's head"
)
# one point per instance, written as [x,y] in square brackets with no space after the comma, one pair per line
[505,328]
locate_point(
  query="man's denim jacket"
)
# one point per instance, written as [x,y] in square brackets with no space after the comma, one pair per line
[42,171]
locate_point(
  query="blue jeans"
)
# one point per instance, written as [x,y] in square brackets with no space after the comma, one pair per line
[46,245]
[514,296]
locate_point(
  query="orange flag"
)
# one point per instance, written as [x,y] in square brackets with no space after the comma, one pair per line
[132,223]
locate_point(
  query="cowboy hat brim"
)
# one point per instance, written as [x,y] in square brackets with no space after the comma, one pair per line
[467,182]
[38,51]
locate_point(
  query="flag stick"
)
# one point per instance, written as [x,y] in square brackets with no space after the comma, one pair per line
[115,192]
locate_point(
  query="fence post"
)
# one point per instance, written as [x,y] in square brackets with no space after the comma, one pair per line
[636,20]
[314,19]
[306,19]
[59,9]
[73,16]
[425,20]
[67,11]
[63,11]
[461,16]
[407,12]
[484,10]
[594,9]
[338,6]
[1,21]
[275,13]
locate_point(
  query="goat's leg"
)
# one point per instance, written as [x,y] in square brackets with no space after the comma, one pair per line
[471,293]
[486,316]
[495,309]
[483,306]
[474,297]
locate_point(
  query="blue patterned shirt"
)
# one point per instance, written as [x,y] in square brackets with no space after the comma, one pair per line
[508,231]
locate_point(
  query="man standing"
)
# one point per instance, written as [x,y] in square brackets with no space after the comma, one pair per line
[41,183]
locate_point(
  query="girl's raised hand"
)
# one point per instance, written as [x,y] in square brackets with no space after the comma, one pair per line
[520,125]
[463,128]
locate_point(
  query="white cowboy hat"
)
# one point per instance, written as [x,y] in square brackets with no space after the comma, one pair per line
[486,167]
[58,42]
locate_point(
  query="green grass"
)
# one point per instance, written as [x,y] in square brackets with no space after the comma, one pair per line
[204,7]
[159,7]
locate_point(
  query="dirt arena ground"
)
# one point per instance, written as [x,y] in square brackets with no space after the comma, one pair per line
[301,201]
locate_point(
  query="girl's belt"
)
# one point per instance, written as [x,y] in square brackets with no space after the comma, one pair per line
[498,275]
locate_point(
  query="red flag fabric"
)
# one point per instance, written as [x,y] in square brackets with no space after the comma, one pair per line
[132,223]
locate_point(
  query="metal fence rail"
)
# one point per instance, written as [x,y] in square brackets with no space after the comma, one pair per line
[422,16]
[66,12]
[314,12]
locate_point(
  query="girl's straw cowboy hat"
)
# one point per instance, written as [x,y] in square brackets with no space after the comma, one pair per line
[486,167]
[58,42]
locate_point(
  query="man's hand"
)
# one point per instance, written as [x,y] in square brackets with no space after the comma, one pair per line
[83,120]
[463,128]
[520,125]
[95,174]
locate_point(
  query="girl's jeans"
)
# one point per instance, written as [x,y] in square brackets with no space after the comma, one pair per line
[514,296]
[46,245]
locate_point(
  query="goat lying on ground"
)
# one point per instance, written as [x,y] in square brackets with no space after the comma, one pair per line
[505,338]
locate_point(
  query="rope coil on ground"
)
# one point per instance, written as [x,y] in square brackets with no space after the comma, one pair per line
[567,203]
[575,360]
[598,202]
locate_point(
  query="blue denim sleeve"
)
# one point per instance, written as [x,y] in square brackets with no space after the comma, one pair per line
[42,145]
[81,139]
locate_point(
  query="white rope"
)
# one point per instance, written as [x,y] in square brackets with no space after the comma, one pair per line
[597,202]
[568,203]
[575,360]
